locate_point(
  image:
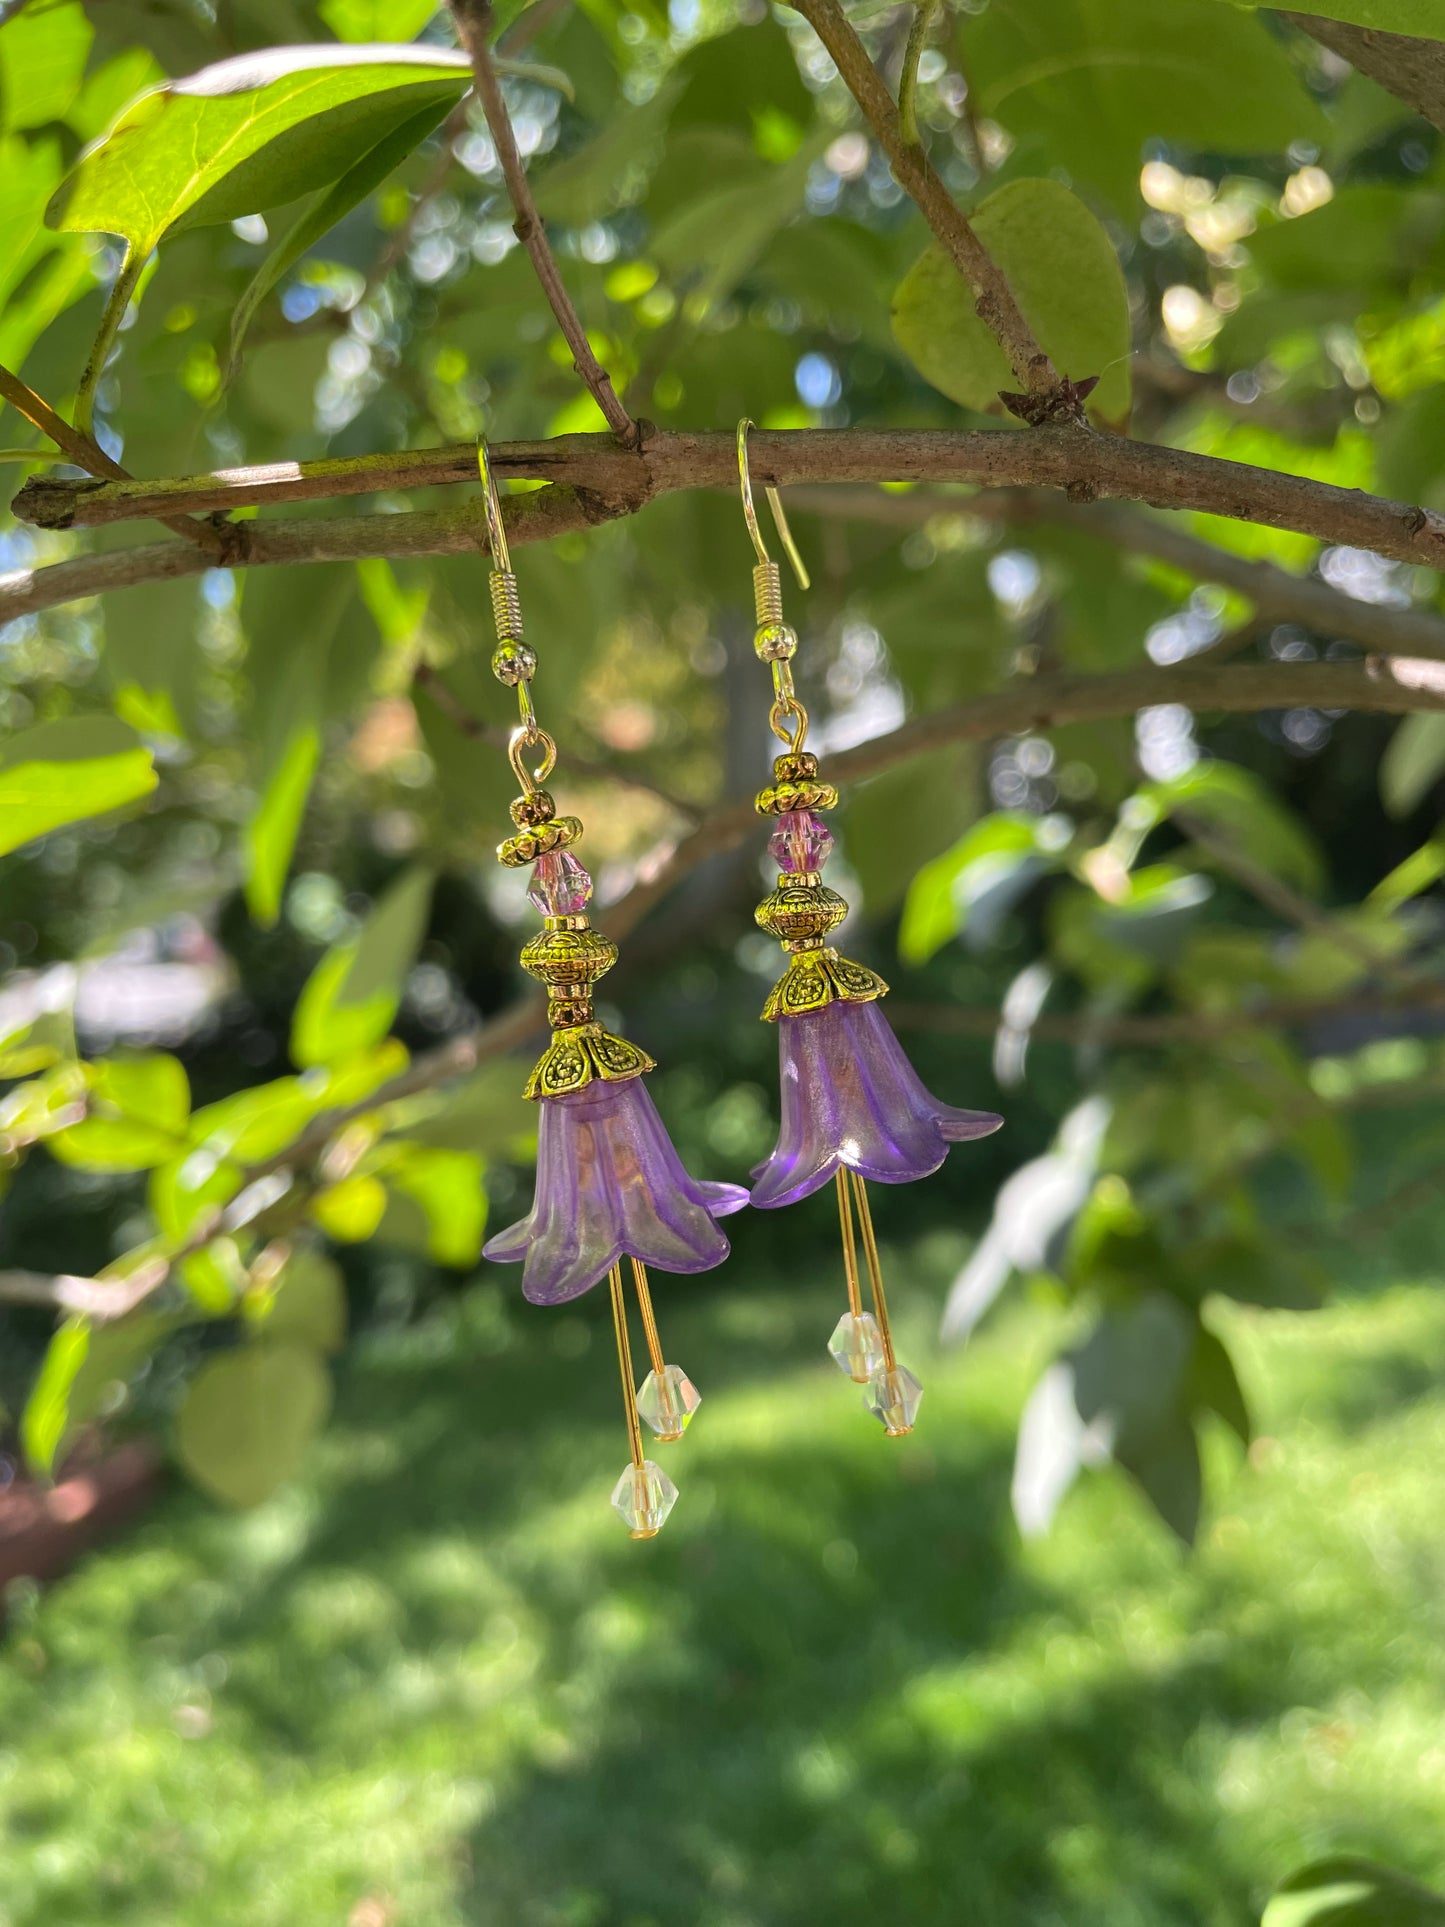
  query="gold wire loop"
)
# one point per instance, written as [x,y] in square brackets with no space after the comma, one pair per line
[496,528]
[523,738]
[750,514]
[789,722]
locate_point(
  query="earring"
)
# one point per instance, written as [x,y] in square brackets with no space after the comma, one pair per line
[610,1185]
[853,1107]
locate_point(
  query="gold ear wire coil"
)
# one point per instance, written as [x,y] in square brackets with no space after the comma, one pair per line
[506,605]
[768,592]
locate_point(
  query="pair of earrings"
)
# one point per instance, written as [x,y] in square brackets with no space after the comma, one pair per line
[610,1184]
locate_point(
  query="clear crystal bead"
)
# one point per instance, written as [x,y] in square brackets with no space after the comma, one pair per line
[560,887]
[642,1499]
[802,841]
[856,1346]
[668,1403]
[893,1398]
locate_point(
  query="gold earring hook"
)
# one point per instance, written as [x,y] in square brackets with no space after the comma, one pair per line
[496,528]
[750,513]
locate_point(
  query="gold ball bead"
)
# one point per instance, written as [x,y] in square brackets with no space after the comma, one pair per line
[514,662]
[775,642]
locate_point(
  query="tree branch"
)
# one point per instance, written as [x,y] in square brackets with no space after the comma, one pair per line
[1276,593]
[473,18]
[349,538]
[87,453]
[993,298]
[1166,1027]
[605,481]
[1413,70]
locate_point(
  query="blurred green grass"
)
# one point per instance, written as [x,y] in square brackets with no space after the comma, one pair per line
[434,1683]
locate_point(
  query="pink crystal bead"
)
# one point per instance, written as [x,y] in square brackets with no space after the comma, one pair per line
[802,841]
[560,885]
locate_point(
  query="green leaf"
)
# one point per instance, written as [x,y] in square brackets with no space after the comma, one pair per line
[939,793]
[308,1306]
[351,997]
[42,1106]
[1166,1469]
[1212,1384]
[1067,280]
[612,166]
[1413,762]
[152,654]
[1084,84]
[46,1414]
[62,773]
[324,213]
[83,1364]
[42,58]
[448,1188]
[187,1188]
[249,133]
[215,1276]
[369,20]
[1237,804]
[151,1090]
[714,237]
[968,889]
[255,1124]
[1419,870]
[1345,1891]
[1424,19]
[112,1144]
[350,1211]
[248,1417]
[270,836]
[485,1114]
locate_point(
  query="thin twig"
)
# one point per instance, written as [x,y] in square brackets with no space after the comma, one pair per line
[918,32]
[994,302]
[473,20]
[86,453]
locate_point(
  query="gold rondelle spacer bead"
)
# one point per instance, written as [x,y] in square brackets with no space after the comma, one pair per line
[795,766]
[533,809]
[528,845]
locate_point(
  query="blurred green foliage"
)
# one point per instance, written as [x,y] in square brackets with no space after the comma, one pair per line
[431,1680]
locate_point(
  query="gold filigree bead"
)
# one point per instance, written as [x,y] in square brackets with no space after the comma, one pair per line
[798,911]
[570,959]
[529,812]
[529,844]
